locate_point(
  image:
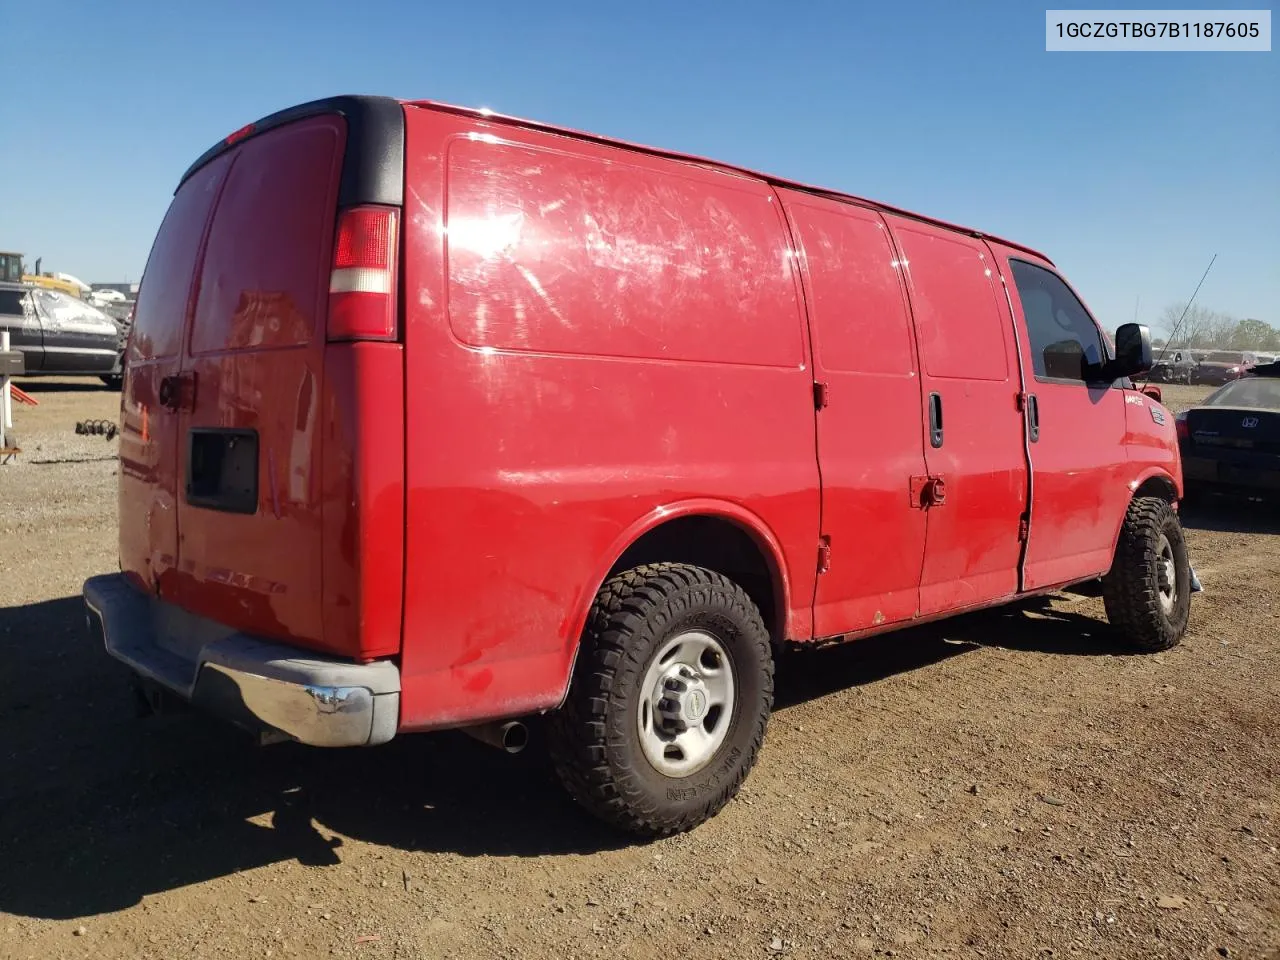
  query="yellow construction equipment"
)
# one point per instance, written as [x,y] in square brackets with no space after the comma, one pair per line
[12,270]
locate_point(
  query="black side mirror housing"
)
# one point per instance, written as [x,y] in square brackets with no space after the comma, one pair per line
[1133,352]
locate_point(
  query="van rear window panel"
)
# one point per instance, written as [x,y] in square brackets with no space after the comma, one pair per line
[268,249]
[560,253]
[958,319]
[165,291]
[857,307]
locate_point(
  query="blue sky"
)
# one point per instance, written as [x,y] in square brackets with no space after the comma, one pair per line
[1129,170]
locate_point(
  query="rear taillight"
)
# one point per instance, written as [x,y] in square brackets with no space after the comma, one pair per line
[362,286]
[1180,424]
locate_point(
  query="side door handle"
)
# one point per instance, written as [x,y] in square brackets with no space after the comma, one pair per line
[935,419]
[1033,418]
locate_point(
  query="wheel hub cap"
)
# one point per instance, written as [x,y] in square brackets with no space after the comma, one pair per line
[683,701]
[687,698]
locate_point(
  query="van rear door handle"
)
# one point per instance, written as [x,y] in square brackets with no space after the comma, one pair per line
[178,391]
[935,419]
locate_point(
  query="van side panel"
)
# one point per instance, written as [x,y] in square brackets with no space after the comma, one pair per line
[592,335]
[870,443]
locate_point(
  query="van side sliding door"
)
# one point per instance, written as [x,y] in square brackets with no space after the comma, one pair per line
[870,447]
[973,430]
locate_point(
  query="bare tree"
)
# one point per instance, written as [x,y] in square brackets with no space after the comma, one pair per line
[1201,326]
[1194,327]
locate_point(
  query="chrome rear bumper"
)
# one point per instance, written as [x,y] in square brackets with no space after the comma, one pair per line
[317,700]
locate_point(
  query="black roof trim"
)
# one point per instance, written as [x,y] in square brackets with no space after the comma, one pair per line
[373,165]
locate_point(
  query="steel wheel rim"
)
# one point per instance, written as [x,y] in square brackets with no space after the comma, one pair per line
[686,703]
[1166,575]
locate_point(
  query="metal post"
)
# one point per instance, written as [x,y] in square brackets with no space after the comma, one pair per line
[6,395]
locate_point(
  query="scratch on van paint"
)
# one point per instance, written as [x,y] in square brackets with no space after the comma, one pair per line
[428,216]
[532,280]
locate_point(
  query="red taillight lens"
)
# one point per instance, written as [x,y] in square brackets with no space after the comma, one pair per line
[362,286]
[364,239]
[1180,424]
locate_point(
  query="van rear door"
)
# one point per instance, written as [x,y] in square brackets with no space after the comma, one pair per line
[148,487]
[248,395]
[264,403]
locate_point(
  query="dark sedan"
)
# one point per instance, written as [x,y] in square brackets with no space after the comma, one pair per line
[1232,440]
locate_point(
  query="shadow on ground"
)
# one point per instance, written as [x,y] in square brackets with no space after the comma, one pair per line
[99,808]
[63,385]
[1232,512]
[1031,626]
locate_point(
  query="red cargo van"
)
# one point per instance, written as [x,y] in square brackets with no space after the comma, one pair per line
[434,418]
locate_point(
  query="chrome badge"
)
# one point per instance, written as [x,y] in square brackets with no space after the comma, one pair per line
[1157,414]
[1249,422]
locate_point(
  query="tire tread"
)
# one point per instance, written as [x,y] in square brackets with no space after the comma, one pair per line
[1129,591]
[578,730]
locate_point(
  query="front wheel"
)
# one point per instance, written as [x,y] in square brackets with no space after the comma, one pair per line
[1147,592]
[669,702]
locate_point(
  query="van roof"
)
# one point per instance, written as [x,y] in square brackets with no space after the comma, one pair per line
[343,103]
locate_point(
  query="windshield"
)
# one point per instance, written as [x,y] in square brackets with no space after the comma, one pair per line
[60,308]
[1224,356]
[1250,392]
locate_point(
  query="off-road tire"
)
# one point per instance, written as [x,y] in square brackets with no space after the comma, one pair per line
[594,738]
[1131,590]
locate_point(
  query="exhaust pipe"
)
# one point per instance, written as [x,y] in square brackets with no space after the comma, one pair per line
[511,736]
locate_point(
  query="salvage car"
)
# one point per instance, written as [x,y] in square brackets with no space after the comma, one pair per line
[1222,366]
[1231,441]
[439,419]
[1173,368]
[60,335]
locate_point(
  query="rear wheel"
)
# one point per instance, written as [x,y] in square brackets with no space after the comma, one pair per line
[1147,592]
[670,698]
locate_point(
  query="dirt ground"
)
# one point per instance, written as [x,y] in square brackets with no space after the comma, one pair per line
[1006,785]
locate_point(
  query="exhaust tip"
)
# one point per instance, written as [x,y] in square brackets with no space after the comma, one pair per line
[511,736]
[515,736]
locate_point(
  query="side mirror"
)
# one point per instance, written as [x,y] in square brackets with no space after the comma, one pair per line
[1154,392]
[1133,351]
